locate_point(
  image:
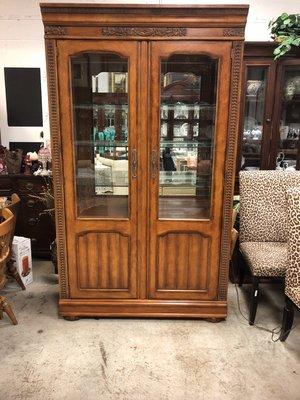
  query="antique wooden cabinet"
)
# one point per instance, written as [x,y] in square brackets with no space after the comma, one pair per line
[144,104]
[269,129]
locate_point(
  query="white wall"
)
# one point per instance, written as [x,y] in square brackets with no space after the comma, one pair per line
[22,44]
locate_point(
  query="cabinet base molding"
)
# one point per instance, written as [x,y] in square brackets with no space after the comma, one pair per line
[214,310]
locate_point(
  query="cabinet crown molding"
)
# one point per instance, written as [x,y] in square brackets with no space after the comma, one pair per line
[142,31]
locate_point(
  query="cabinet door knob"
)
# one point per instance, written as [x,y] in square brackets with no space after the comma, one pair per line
[29,185]
[268,119]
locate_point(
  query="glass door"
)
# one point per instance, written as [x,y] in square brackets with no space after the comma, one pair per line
[187,144]
[254,116]
[98,116]
[288,112]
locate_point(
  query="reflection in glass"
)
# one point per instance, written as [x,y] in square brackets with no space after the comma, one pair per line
[188,102]
[254,116]
[289,129]
[100,114]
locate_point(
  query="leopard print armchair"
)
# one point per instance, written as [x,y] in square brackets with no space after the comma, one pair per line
[263,219]
[264,229]
[292,277]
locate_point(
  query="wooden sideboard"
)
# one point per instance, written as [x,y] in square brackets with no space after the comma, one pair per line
[30,223]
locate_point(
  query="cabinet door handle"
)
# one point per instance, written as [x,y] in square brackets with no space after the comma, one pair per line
[134,163]
[153,160]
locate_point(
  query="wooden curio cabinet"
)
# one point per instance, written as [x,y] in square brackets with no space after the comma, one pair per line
[269,129]
[144,104]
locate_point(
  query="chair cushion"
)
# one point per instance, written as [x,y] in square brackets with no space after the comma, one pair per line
[265,258]
[294,294]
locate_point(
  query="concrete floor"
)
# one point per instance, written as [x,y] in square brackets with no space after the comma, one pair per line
[47,358]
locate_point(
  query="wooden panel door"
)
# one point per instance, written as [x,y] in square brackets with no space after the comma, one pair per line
[98,103]
[190,84]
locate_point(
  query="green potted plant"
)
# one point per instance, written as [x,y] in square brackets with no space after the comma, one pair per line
[285,30]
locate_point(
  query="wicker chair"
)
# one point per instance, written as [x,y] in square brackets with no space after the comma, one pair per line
[6,230]
[292,278]
[11,270]
[264,225]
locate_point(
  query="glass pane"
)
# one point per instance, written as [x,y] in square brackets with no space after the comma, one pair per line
[187,129]
[254,117]
[100,115]
[289,130]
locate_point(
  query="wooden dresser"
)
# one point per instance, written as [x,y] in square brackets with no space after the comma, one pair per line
[144,107]
[39,228]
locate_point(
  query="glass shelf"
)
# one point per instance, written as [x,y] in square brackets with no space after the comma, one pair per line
[104,143]
[186,144]
[100,106]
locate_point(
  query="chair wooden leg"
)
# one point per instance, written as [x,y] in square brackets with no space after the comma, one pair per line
[254,300]
[6,307]
[13,272]
[287,320]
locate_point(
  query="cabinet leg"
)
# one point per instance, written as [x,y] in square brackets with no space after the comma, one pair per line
[215,320]
[71,318]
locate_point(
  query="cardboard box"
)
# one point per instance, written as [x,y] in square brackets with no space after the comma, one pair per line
[21,254]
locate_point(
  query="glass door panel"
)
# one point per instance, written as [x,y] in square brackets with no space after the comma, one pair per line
[100,127]
[254,111]
[289,127]
[187,130]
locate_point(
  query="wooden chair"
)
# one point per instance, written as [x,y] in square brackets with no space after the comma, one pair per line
[292,277]
[11,270]
[264,225]
[6,229]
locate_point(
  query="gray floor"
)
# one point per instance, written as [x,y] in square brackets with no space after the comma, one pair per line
[46,357]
